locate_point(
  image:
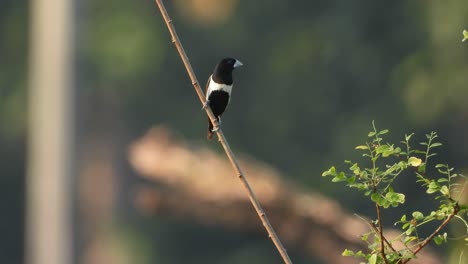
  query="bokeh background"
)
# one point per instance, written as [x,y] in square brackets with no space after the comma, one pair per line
[316,74]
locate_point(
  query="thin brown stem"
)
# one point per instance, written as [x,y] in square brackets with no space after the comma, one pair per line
[222,139]
[437,231]
[376,229]
[382,245]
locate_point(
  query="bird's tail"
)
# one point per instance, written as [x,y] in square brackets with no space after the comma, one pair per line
[210,130]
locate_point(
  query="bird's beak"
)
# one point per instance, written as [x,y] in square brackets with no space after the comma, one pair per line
[237,64]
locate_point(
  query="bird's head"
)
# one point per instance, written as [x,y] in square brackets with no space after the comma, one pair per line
[227,65]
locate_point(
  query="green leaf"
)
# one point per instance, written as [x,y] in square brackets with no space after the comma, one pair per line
[418,215]
[361,147]
[415,162]
[375,197]
[382,148]
[422,168]
[395,198]
[331,171]
[365,237]
[410,230]
[408,137]
[436,144]
[371,134]
[347,253]
[408,239]
[433,187]
[388,152]
[439,239]
[354,166]
[403,218]
[445,190]
[465,35]
[338,179]
[392,257]
[373,259]
[383,132]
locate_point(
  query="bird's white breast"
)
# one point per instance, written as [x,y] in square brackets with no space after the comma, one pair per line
[213,86]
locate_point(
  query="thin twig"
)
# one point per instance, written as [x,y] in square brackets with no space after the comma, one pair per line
[442,225]
[382,245]
[222,139]
[376,230]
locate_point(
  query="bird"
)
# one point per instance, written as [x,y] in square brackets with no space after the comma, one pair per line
[218,90]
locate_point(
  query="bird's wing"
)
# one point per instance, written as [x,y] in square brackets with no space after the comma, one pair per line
[207,88]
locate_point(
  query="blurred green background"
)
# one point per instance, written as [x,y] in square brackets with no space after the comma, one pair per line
[316,74]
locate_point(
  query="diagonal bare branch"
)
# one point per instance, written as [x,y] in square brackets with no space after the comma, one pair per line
[253,199]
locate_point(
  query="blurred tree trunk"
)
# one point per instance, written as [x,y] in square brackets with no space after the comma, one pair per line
[51,133]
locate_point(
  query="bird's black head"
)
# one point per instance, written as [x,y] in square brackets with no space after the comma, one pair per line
[223,71]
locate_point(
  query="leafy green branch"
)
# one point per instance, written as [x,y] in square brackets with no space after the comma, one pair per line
[385,163]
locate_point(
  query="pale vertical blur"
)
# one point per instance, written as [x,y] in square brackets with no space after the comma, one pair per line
[49,232]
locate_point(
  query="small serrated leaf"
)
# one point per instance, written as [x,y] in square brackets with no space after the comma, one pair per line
[338,179]
[409,239]
[445,190]
[385,131]
[408,137]
[331,172]
[365,237]
[347,253]
[422,168]
[373,259]
[415,162]
[375,197]
[439,239]
[403,218]
[418,215]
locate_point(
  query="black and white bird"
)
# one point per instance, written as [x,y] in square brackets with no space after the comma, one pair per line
[218,89]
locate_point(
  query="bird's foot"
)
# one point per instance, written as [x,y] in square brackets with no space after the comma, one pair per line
[215,129]
[205,105]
